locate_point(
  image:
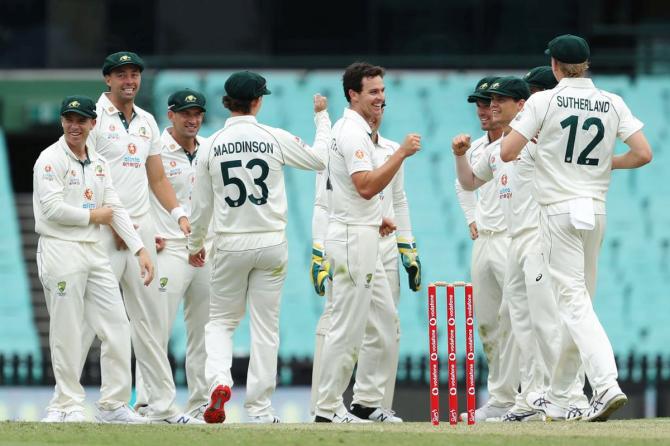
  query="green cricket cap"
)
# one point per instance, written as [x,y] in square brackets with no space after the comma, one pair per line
[186,98]
[82,105]
[511,86]
[541,77]
[483,84]
[246,85]
[121,58]
[568,49]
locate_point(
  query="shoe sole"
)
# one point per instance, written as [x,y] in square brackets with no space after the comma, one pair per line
[215,412]
[614,404]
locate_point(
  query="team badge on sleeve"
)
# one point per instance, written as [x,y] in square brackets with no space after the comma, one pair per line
[359,154]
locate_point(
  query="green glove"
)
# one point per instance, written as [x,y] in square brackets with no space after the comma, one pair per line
[320,270]
[410,260]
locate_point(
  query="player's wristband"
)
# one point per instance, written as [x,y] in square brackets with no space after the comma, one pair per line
[178,213]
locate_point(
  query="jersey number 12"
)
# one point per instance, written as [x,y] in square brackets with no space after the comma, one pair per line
[573,123]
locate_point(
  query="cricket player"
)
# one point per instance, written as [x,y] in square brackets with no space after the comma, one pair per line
[179,147]
[240,182]
[395,209]
[579,124]
[352,245]
[487,227]
[129,139]
[73,196]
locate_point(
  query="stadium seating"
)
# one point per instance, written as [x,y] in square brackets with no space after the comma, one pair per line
[17,328]
[631,298]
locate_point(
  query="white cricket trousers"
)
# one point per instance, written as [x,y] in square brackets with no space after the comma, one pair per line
[489,262]
[533,313]
[81,291]
[239,278]
[368,356]
[356,314]
[572,256]
[183,281]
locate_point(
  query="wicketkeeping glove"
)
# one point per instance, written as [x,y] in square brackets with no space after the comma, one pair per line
[320,270]
[411,262]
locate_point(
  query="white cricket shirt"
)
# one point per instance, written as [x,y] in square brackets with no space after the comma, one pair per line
[578,125]
[485,211]
[393,197]
[240,180]
[66,189]
[352,151]
[180,171]
[126,152]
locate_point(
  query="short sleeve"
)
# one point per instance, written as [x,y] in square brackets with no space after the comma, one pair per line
[482,168]
[628,124]
[528,121]
[357,151]
[156,146]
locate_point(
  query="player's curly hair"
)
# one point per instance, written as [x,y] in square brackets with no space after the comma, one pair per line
[352,79]
[573,69]
[237,105]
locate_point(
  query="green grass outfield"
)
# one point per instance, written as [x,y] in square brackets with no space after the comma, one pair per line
[625,432]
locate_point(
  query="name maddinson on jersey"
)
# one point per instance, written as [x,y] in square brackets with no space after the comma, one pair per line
[583,104]
[243,147]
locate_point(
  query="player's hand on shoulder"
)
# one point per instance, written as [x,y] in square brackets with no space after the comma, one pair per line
[460,144]
[411,144]
[320,103]
[102,216]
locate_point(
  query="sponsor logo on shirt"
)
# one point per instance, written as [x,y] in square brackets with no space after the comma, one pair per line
[368,279]
[143,132]
[503,180]
[48,173]
[359,154]
[61,288]
[99,171]
[112,136]
[173,163]
[163,284]
[112,127]
[130,160]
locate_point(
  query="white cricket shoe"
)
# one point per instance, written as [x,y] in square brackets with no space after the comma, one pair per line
[346,417]
[198,413]
[177,419]
[575,412]
[120,415]
[520,415]
[488,412]
[375,414]
[605,404]
[264,419]
[54,416]
[76,416]
[553,412]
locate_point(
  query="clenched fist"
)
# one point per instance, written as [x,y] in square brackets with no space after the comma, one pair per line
[320,103]
[411,144]
[460,144]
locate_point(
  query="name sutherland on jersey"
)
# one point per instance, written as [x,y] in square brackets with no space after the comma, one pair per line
[244,146]
[583,104]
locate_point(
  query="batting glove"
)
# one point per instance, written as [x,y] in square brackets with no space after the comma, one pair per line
[320,270]
[410,260]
